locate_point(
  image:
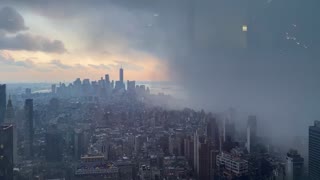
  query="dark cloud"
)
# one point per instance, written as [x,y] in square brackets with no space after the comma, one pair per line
[258,71]
[30,42]
[59,64]
[129,31]
[11,21]
[11,38]
[219,65]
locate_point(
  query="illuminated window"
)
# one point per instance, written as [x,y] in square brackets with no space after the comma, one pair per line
[244,28]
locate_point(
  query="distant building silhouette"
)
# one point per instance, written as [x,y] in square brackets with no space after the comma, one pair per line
[251,132]
[213,133]
[204,160]
[9,117]
[107,78]
[120,84]
[131,86]
[81,141]
[314,151]
[3,102]
[121,74]
[28,92]
[28,112]
[108,84]
[294,165]
[53,145]
[53,89]
[6,152]
[10,120]
[228,130]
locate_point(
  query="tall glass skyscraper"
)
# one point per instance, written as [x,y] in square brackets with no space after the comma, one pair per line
[6,152]
[314,151]
[28,110]
[121,75]
[3,102]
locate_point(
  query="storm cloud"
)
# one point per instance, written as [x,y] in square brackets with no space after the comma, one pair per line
[31,42]
[11,21]
[270,70]
[12,38]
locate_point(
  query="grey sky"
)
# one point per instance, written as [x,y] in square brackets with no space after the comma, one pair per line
[271,70]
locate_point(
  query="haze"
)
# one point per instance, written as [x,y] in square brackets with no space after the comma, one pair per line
[270,70]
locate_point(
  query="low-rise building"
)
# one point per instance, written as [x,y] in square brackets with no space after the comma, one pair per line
[234,164]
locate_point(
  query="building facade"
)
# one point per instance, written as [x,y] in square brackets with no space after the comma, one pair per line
[28,112]
[294,166]
[314,151]
[3,102]
[232,164]
[6,152]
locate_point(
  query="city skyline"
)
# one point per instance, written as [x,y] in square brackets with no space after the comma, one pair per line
[159,89]
[35,44]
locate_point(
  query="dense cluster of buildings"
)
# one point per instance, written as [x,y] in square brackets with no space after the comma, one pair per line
[106,130]
[102,88]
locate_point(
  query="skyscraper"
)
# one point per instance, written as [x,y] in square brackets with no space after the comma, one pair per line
[228,129]
[131,86]
[6,152]
[251,132]
[294,165]
[28,91]
[229,125]
[9,117]
[120,84]
[53,89]
[201,156]
[53,145]
[204,161]
[107,78]
[79,144]
[196,151]
[10,120]
[314,151]
[3,102]
[28,112]
[213,133]
[121,75]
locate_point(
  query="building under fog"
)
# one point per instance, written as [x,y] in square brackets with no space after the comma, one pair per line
[53,148]
[294,166]
[3,102]
[10,121]
[233,165]
[6,152]
[29,131]
[251,133]
[314,151]
[120,84]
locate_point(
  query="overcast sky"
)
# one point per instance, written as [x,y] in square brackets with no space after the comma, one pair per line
[58,40]
[272,69]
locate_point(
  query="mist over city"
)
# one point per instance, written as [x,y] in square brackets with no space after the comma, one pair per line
[159,90]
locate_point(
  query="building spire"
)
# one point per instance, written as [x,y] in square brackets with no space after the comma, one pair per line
[9,111]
